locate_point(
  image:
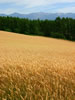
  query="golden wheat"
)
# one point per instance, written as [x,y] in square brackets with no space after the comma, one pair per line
[36,68]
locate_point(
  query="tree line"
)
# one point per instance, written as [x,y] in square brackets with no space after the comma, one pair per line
[63,28]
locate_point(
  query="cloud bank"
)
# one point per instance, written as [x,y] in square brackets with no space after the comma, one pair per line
[36,5]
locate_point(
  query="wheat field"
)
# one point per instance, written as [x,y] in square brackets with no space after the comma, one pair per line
[36,68]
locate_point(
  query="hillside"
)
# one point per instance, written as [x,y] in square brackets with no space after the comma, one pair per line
[36,68]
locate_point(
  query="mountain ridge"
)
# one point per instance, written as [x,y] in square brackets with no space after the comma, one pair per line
[41,15]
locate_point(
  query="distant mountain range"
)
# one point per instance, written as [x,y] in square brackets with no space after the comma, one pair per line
[41,15]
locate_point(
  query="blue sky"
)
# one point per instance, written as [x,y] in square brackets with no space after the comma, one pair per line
[31,6]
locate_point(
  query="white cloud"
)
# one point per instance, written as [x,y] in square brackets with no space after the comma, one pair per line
[67,10]
[7,11]
[29,4]
[34,3]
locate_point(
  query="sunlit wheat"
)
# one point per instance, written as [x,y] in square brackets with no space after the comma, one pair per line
[36,68]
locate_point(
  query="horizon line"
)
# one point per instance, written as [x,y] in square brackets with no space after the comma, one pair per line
[39,12]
